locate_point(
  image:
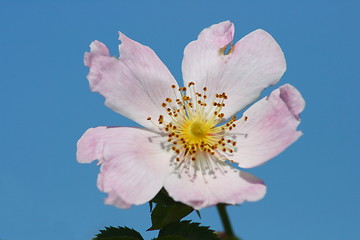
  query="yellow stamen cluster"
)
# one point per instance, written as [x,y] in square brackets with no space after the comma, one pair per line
[192,125]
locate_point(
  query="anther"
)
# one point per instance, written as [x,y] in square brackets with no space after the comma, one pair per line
[186,98]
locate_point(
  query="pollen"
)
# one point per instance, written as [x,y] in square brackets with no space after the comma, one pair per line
[192,124]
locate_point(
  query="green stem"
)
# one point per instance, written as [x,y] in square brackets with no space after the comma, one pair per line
[225,220]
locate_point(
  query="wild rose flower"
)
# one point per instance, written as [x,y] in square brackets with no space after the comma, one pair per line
[191,132]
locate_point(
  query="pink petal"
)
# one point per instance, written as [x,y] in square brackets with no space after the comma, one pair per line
[134,163]
[270,127]
[227,185]
[254,63]
[135,85]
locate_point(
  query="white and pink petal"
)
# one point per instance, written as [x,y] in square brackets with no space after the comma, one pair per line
[224,184]
[268,127]
[251,65]
[134,163]
[134,85]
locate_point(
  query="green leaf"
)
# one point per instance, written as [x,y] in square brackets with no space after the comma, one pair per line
[163,198]
[150,205]
[171,237]
[119,233]
[163,215]
[198,213]
[167,210]
[188,230]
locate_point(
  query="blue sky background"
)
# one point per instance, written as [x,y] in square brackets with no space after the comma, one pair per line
[46,105]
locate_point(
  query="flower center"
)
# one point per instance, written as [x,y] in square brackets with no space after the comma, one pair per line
[192,125]
[197,131]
